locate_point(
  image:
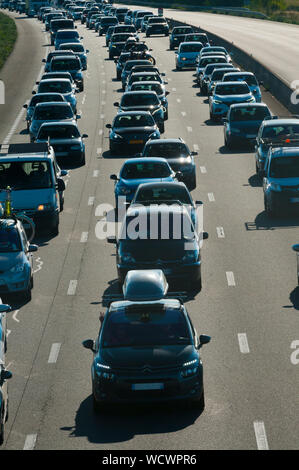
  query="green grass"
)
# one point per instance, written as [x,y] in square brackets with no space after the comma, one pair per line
[8,36]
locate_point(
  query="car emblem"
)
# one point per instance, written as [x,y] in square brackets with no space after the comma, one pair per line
[146,369]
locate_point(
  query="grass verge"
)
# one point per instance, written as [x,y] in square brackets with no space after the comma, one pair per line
[8,36]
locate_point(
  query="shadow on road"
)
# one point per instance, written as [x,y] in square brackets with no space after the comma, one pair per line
[120,424]
[264,222]
[294,298]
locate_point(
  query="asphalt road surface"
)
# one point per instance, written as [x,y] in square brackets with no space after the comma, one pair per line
[248,304]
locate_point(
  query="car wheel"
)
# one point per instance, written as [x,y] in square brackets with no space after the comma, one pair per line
[228,143]
[26,295]
[97,406]
[178,68]
[269,210]
[82,160]
[1,431]
[200,402]
[162,127]
[212,117]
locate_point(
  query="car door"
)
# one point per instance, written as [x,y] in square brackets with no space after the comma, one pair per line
[25,244]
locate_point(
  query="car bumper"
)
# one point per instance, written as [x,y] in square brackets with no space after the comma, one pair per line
[10,284]
[245,139]
[283,201]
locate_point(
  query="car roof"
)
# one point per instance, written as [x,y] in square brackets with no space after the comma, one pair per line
[132,113]
[65,57]
[59,124]
[241,73]
[276,122]
[71,44]
[192,43]
[232,82]
[248,105]
[148,284]
[145,160]
[161,184]
[165,141]
[56,103]
[285,152]
[55,80]
[170,303]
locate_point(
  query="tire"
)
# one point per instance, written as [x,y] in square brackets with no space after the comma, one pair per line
[26,295]
[1,431]
[162,128]
[97,407]
[268,209]
[228,144]
[178,68]
[199,404]
[83,160]
[55,228]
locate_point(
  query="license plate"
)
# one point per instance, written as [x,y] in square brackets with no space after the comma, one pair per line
[135,141]
[147,386]
[294,199]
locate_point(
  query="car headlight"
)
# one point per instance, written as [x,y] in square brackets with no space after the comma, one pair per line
[103,371]
[190,257]
[155,135]
[17,269]
[182,58]
[275,187]
[217,102]
[189,368]
[127,258]
[250,100]
[115,136]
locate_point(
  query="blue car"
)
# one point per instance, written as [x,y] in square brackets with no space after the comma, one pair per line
[136,171]
[247,77]
[187,54]
[243,122]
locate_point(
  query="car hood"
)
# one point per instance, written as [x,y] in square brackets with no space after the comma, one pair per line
[136,182]
[188,55]
[135,130]
[156,356]
[234,98]
[149,108]
[56,142]
[8,260]
[25,199]
[252,126]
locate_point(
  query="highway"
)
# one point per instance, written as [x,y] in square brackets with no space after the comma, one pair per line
[248,304]
[273,44]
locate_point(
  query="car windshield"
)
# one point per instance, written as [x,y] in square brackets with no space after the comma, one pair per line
[163,193]
[249,113]
[109,20]
[236,89]
[212,60]
[25,175]
[182,30]
[145,325]
[44,99]
[72,47]
[280,130]
[284,167]
[147,87]
[67,34]
[140,100]
[156,20]
[59,132]
[9,239]
[167,150]
[139,47]
[52,112]
[61,24]
[55,87]
[136,120]
[124,29]
[249,79]
[65,64]
[129,65]
[190,47]
[120,37]
[132,171]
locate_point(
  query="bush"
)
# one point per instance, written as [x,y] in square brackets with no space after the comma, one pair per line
[8,36]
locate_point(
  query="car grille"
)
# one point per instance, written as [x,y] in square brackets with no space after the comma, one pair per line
[146,369]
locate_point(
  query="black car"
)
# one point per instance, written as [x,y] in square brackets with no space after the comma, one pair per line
[157,88]
[69,64]
[178,35]
[131,130]
[147,351]
[106,22]
[159,237]
[55,25]
[116,44]
[66,140]
[143,101]
[178,156]
[156,25]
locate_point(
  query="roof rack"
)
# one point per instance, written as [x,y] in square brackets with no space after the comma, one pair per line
[181,296]
[292,116]
[287,140]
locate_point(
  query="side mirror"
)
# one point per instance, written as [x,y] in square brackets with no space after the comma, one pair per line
[81,37]
[112,240]
[6,375]
[89,344]
[34,92]
[198,203]
[25,106]
[167,93]
[44,60]
[60,185]
[113,177]
[224,120]
[179,175]
[296,248]
[116,104]
[87,51]
[205,235]
[63,172]
[108,126]
[261,83]
[5,308]
[37,83]
[78,116]
[32,248]
[84,136]
[203,339]
[194,153]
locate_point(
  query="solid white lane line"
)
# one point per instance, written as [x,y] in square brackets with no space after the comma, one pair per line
[30,442]
[54,353]
[230,278]
[220,232]
[183,113]
[84,237]
[260,435]
[243,343]
[178,100]
[72,287]
[211,197]
[90,201]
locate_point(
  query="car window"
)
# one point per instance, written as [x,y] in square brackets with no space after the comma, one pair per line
[66,64]
[140,99]
[53,112]
[145,326]
[156,87]
[136,120]
[191,48]
[145,170]
[166,193]
[249,113]
[25,175]
[236,89]
[182,30]
[167,150]
[284,167]
[58,132]
[9,239]
[280,130]
[55,87]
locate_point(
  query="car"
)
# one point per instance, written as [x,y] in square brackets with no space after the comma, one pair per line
[177,35]
[242,123]
[247,77]
[204,61]
[16,262]
[131,130]
[143,101]
[48,75]
[65,63]
[136,171]
[209,80]
[174,192]
[147,351]
[62,86]
[270,130]
[197,37]
[51,111]
[66,140]
[151,76]
[144,22]
[79,51]
[123,28]
[93,20]
[216,50]
[121,13]
[109,33]
[64,36]
[105,22]
[186,55]
[205,77]
[98,23]
[52,16]
[53,54]
[178,156]
[59,24]
[159,237]
[116,44]
[126,69]
[158,88]
[93,11]
[5,374]
[281,178]
[139,17]
[40,98]
[226,94]
[156,25]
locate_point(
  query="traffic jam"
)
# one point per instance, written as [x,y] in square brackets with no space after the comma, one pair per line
[147,349]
